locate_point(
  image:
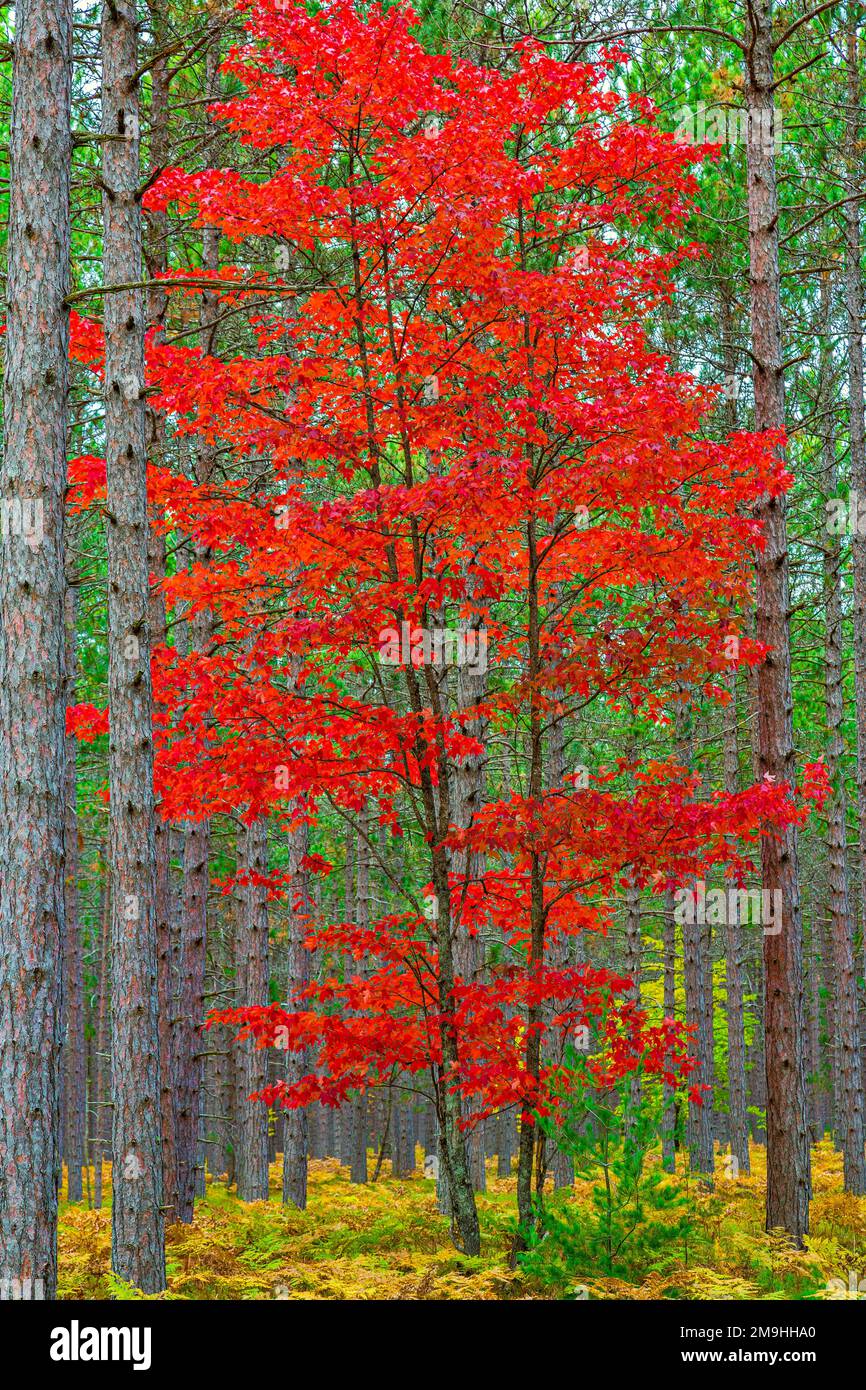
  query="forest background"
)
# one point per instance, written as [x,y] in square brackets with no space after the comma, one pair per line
[475,590]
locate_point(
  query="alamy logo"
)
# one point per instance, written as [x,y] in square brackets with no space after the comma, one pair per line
[77,1343]
[720,125]
[438,646]
[842,516]
[23,518]
[855,1288]
[30,1290]
[717,906]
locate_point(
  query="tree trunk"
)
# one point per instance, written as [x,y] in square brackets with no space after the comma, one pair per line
[856,405]
[74,1055]
[137,1239]
[738,1118]
[32,717]
[787,1143]
[252,956]
[738,1136]
[102,1071]
[468,866]
[819,1099]
[189,1060]
[848,1071]
[669,1121]
[190,1123]
[561,1162]
[537,912]
[297,1122]
[360,1117]
[156,260]
[697,981]
[701,1149]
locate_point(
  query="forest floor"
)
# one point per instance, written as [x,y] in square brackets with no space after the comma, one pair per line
[387,1240]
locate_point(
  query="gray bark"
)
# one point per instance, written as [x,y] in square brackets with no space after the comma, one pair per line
[669,947]
[856,407]
[848,1071]
[32,719]
[137,1240]
[787,1141]
[360,1108]
[297,1122]
[156,260]
[738,1119]
[252,957]
[468,867]
[74,1051]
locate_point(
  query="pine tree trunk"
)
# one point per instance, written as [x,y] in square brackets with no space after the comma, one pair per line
[297,1122]
[32,717]
[787,1143]
[360,1117]
[697,980]
[190,1068]
[561,1162]
[191,1072]
[738,1118]
[156,260]
[252,945]
[137,1241]
[701,1149]
[848,1070]
[669,948]
[74,1053]
[856,404]
[537,912]
[819,1106]
[468,866]
[102,1078]
[738,1135]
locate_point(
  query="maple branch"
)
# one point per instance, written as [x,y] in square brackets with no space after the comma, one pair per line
[185,281]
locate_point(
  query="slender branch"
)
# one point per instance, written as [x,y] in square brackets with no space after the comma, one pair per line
[798,23]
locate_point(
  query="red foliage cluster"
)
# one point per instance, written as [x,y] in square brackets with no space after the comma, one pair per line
[454,401]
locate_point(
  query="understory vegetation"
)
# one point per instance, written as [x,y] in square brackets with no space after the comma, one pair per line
[387,1240]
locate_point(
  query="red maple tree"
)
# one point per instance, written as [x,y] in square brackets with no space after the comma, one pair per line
[456,441]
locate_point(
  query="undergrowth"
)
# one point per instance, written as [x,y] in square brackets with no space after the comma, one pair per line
[387,1240]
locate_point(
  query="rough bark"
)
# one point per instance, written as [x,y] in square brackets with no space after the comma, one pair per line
[561,1163]
[190,1050]
[856,406]
[537,911]
[296,1123]
[819,1095]
[156,260]
[669,948]
[252,955]
[469,786]
[32,717]
[738,1131]
[787,1143]
[848,1070]
[74,1049]
[697,981]
[190,1115]
[360,1108]
[696,984]
[102,1049]
[138,1240]
[737,1113]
